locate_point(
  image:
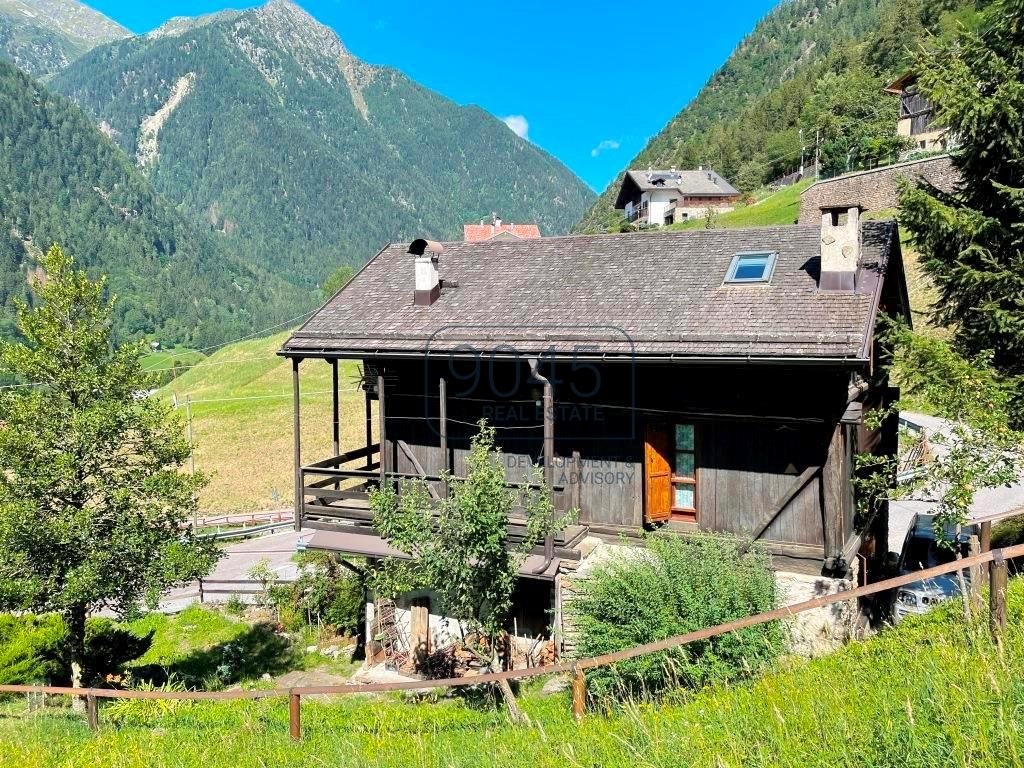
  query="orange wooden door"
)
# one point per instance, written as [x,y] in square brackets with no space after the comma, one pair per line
[657,474]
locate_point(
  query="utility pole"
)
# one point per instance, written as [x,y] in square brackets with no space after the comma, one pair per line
[817,153]
[802,148]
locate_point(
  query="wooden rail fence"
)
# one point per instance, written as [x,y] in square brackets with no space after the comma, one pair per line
[997,618]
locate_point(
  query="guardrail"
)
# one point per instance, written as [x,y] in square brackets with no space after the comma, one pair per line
[997,621]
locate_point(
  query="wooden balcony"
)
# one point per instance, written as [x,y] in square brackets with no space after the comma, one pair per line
[336,497]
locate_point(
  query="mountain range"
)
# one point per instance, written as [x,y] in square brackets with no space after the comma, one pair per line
[44,36]
[286,154]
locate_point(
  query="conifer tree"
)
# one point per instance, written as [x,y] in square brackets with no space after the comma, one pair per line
[972,239]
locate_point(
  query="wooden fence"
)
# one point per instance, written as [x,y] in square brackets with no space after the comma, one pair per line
[997,618]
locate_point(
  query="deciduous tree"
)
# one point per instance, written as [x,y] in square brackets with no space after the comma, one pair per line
[93,507]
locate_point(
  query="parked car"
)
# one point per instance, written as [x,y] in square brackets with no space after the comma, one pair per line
[924,549]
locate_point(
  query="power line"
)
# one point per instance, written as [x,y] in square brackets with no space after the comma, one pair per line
[244,338]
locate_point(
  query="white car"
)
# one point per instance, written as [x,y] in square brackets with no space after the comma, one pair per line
[923,549]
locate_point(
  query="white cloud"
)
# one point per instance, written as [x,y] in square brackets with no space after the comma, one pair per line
[518,124]
[607,144]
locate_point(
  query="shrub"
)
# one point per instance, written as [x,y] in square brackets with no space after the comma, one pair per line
[676,585]
[324,592]
[29,649]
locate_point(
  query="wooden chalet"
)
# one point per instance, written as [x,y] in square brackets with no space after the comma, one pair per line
[711,380]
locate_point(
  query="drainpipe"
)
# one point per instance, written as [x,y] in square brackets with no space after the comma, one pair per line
[549,454]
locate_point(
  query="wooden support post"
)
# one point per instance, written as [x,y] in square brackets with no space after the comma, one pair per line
[443,429]
[369,429]
[986,545]
[336,420]
[549,461]
[297,445]
[975,573]
[294,716]
[579,694]
[92,711]
[997,594]
[200,590]
[577,481]
[833,482]
[383,432]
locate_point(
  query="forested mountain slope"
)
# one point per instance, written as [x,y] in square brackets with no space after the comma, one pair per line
[44,36]
[62,181]
[813,65]
[301,156]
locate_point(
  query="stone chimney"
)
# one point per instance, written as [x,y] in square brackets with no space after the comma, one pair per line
[428,281]
[840,248]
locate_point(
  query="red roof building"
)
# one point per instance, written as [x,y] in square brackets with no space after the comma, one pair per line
[475,233]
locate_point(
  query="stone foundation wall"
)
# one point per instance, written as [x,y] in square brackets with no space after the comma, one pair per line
[821,630]
[874,190]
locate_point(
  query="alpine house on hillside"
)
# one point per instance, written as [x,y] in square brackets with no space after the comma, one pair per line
[709,380]
[656,198]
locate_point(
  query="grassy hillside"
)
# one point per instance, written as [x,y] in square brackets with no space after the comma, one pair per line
[782,207]
[241,402]
[933,691]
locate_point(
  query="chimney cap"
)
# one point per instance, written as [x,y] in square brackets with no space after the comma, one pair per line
[419,247]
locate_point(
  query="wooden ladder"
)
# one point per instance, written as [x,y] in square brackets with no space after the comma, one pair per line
[389,635]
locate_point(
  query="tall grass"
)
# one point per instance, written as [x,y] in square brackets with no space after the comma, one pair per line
[932,692]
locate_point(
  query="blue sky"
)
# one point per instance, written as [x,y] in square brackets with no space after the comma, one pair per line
[592,81]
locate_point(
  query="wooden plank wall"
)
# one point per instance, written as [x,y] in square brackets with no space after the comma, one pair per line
[746,464]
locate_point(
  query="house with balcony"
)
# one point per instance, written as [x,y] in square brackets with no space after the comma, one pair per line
[695,381]
[656,198]
[917,116]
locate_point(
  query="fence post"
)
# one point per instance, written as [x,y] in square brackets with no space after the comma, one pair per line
[579,694]
[92,711]
[294,716]
[200,590]
[976,575]
[997,594]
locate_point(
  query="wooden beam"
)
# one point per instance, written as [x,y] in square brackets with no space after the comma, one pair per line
[776,509]
[336,408]
[443,429]
[297,443]
[832,485]
[997,594]
[369,428]
[404,446]
[549,459]
[383,432]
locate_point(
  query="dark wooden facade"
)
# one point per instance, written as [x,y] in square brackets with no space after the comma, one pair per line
[771,455]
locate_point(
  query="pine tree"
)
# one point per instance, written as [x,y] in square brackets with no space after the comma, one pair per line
[972,239]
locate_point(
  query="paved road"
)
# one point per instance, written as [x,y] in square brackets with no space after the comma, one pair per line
[276,548]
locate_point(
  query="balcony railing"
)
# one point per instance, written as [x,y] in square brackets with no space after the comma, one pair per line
[336,495]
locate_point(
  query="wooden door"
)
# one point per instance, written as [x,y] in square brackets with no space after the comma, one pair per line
[657,474]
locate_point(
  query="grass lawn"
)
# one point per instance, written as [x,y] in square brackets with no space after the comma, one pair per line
[934,691]
[242,421]
[166,364]
[783,207]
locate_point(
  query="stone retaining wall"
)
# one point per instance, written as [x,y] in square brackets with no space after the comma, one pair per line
[874,190]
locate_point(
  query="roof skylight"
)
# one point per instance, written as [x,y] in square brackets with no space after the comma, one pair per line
[751,267]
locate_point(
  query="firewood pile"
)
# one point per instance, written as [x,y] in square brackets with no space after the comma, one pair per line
[471,657]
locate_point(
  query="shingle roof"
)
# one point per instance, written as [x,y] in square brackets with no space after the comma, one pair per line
[648,294]
[472,233]
[703,182]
